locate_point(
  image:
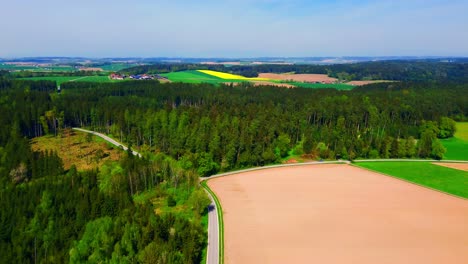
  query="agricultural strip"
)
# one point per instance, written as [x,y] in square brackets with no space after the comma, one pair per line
[298,77]
[457,166]
[228,76]
[337,214]
[338,86]
[445,179]
[194,77]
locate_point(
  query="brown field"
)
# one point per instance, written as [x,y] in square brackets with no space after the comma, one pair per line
[457,166]
[299,77]
[260,83]
[90,69]
[221,63]
[338,214]
[73,148]
[361,83]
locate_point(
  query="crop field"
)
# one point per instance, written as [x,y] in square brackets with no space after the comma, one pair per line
[337,214]
[338,86]
[214,77]
[62,79]
[441,178]
[195,77]
[228,76]
[298,77]
[457,147]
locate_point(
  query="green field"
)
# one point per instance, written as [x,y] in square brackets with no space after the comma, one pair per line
[457,147]
[338,86]
[195,77]
[424,173]
[62,79]
[10,67]
[113,67]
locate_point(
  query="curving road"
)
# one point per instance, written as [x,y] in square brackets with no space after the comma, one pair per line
[212,254]
[108,139]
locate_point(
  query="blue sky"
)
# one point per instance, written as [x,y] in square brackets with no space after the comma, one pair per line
[233,28]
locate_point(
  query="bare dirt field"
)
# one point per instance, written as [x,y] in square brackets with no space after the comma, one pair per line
[458,166]
[298,77]
[90,69]
[338,214]
[262,83]
[361,83]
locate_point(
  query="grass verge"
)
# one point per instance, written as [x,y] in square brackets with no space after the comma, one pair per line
[436,177]
[220,220]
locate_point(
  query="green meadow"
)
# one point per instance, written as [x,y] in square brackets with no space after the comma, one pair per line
[195,77]
[457,147]
[424,173]
[113,67]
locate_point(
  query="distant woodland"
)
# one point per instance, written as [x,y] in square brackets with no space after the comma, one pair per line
[50,215]
[420,71]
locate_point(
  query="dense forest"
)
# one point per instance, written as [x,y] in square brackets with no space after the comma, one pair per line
[421,71]
[49,215]
[52,215]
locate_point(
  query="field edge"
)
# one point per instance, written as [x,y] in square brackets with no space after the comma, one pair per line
[408,181]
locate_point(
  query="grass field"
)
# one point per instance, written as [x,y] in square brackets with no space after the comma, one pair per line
[425,173]
[195,77]
[62,79]
[117,66]
[457,147]
[228,76]
[74,148]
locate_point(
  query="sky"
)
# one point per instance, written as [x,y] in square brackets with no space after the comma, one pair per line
[233,28]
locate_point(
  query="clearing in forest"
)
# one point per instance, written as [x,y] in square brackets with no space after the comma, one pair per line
[338,214]
[81,149]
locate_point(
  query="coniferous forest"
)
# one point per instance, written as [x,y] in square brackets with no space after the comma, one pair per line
[52,215]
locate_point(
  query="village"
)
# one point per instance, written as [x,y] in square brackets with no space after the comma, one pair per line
[116,76]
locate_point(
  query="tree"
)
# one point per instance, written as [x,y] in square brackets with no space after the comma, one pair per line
[438,150]
[282,145]
[206,165]
[447,127]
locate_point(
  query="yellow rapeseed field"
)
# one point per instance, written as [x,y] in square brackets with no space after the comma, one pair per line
[229,76]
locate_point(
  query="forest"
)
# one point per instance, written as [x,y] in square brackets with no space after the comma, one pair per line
[52,215]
